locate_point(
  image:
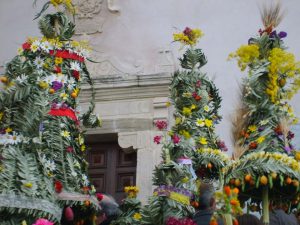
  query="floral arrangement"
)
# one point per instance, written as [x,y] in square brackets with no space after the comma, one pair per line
[41,143]
[227,206]
[130,208]
[267,164]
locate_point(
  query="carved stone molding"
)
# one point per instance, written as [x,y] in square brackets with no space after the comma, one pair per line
[112,7]
[109,65]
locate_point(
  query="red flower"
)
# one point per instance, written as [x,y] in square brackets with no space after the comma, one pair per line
[161,124]
[70,149]
[99,196]
[176,139]
[58,186]
[187,31]
[76,74]
[157,139]
[57,69]
[26,46]
[253,145]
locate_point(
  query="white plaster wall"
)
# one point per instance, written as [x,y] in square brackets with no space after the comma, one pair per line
[135,35]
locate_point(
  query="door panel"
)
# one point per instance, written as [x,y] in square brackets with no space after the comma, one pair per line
[111,169]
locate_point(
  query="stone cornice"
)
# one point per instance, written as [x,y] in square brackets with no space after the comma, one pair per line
[122,87]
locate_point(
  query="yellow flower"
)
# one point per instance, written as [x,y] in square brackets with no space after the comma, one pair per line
[65,134]
[20,51]
[137,216]
[203,140]
[185,133]
[177,120]
[252,128]
[24,222]
[43,84]
[187,95]
[168,104]
[208,123]
[58,60]
[206,108]
[8,130]
[185,180]
[193,106]
[200,123]
[260,139]
[131,191]
[188,36]
[56,2]
[34,48]
[64,96]
[82,148]
[28,185]
[186,111]
[245,55]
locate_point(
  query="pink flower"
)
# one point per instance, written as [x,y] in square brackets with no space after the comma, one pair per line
[43,222]
[70,149]
[198,83]
[161,124]
[176,139]
[157,139]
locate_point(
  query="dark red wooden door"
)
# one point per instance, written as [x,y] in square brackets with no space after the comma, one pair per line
[111,169]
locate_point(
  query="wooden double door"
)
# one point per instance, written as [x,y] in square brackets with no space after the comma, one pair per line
[111,169]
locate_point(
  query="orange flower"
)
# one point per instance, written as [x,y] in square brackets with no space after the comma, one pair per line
[235,222]
[234,202]
[213,222]
[253,145]
[227,190]
[236,190]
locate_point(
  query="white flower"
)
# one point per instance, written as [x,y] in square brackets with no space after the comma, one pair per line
[36,140]
[71,83]
[65,133]
[21,79]
[46,46]
[206,108]
[75,66]
[263,122]
[200,122]
[85,180]
[38,62]
[35,46]
[74,174]
[50,165]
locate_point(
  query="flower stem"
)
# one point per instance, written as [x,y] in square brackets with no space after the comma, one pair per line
[265,205]
[227,219]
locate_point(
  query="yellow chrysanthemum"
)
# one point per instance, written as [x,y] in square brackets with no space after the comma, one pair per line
[186,111]
[203,140]
[260,139]
[28,185]
[185,133]
[252,128]
[137,216]
[43,84]
[58,60]
[131,191]
[8,130]
[65,133]
[208,122]
[193,106]
[177,120]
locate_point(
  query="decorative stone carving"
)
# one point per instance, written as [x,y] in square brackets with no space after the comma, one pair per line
[90,15]
[109,66]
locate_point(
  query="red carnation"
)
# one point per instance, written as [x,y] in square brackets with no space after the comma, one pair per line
[26,46]
[161,124]
[99,196]
[76,74]
[70,149]
[58,186]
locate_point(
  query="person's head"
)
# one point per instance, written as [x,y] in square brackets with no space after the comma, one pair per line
[109,208]
[206,197]
[248,219]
